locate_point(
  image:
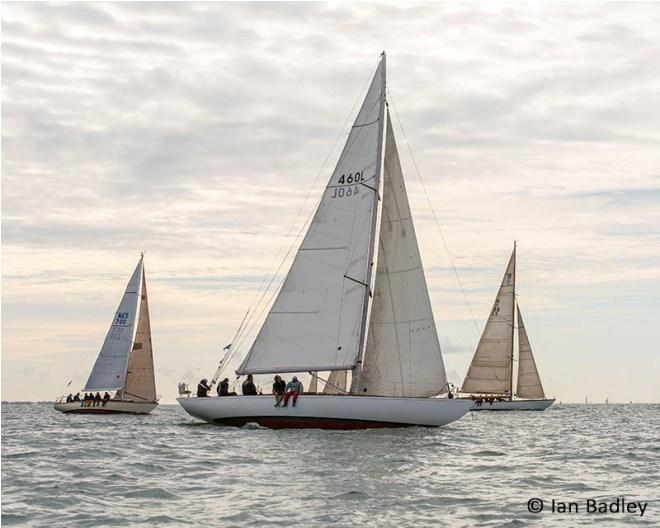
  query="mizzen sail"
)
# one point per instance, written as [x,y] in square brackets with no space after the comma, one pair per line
[140,380]
[316,321]
[109,372]
[403,356]
[492,364]
[529,381]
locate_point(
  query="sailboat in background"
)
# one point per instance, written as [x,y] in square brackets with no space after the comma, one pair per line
[125,363]
[490,375]
[355,299]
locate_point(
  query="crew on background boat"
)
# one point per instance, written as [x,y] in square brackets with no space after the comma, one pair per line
[203,388]
[293,389]
[249,388]
[69,398]
[106,398]
[76,398]
[279,388]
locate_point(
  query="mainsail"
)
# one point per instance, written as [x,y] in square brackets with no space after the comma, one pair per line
[140,380]
[403,356]
[109,372]
[492,364]
[317,320]
[529,381]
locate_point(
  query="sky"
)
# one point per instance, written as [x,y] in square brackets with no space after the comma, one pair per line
[203,134]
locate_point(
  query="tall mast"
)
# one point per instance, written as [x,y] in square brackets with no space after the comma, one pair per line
[372,241]
[513,316]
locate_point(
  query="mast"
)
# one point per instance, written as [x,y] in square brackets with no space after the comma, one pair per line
[372,241]
[513,317]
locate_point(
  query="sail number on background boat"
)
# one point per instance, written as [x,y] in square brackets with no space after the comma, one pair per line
[340,192]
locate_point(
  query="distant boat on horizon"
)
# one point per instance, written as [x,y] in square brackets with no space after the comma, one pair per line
[125,363]
[489,380]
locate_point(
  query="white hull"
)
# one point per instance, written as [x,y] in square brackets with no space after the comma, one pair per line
[327,411]
[111,407]
[515,405]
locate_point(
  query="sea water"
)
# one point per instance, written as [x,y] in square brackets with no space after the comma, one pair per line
[168,469]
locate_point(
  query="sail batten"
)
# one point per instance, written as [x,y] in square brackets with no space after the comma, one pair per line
[316,321]
[491,368]
[403,356]
[109,371]
[529,381]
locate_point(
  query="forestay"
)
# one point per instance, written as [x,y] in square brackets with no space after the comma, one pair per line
[403,356]
[529,381]
[315,322]
[491,367]
[140,380]
[109,371]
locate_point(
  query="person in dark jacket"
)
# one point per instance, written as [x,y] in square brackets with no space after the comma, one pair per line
[69,398]
[76,398]
[249,388]
[279,387]
[106,398]
[223,388]
[97,399]
[203,388]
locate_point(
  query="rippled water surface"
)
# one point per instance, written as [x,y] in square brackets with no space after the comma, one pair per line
[168,469]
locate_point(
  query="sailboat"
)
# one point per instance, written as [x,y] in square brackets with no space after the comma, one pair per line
[125,363]
[355,300]
[490,375]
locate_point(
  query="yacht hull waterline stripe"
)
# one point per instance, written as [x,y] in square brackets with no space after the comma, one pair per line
[328,411]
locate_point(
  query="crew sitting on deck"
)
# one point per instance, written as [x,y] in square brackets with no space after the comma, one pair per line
[203,388]
[76,397]
[249,388]
[293,388]
[69,398]
[97,399]
[106,398]
[223,388]
[279,388]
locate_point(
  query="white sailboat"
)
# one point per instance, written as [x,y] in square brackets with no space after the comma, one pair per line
[125,363]
[489,380]
[355,299]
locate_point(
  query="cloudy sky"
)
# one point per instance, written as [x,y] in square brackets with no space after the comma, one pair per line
[198,133]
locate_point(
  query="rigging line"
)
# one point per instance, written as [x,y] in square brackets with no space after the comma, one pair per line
[435,218]
[309,192]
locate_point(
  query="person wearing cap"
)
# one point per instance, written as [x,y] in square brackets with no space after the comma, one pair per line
[203,388]
[293,388]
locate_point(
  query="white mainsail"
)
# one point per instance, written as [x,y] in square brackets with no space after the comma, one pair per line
[316,321]
[140,380]
[403,356]
[529,381]
[492,364]
[109,372]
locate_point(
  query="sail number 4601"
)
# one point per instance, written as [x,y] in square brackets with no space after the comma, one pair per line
[347,180]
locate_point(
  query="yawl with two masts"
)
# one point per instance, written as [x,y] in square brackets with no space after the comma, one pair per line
[489,380]
[355,299]
[125,363]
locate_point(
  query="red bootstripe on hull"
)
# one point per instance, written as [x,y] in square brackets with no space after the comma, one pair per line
[305,422]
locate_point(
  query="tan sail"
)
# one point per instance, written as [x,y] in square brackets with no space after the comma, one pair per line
[529,381]
[402,355]
[491,368]
[313,383]
[336,383]
[140,382]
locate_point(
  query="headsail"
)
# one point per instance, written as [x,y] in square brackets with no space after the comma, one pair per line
[529,381]
[109,372]
[336,383]
[140,380]
[492,364]
[403,356]
[316,321]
